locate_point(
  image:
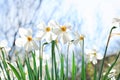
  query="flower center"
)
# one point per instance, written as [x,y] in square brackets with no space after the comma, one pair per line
[29,38]
[47,29]
[81,37]
[63,28]
[94,54]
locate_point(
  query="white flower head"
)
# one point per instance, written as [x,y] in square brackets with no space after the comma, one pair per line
[26,40]
[78,38]
[93,56]
[63,32]
[46,31]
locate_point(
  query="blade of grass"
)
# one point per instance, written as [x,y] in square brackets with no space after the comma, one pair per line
[5,65]
[30,71]
[47,72]
[111,66]
[15,71]
[34,65]
[53,61]
[20,68]
[62,67]
[101,67]
[40,67]
[73,68]
[3,71]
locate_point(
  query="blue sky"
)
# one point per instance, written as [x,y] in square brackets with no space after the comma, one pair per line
[93,18]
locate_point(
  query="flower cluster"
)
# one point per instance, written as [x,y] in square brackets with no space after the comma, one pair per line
[50,32]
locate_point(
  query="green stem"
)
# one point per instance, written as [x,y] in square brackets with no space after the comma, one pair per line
[83,75]
[101,68]
[95,72]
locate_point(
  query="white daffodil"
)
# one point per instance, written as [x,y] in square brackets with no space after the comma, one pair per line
[78,38]
[63,32]
[46,31]
[112,73]
[26,40]
[94,56]
[4,44]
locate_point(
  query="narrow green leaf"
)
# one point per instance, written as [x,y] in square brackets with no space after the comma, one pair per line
[30,71]
[20,68]
[15,71]
[47,72]
[40,67]
[34,64]
[62,67]
[5,66]
[95,73]
[73,68]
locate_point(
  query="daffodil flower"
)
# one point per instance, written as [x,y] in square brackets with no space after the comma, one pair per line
[26,40]
[46,31]
[78,38]
[93,56]
[63,32]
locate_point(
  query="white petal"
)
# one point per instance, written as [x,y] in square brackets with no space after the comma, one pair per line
[66,38]
[20,42]
[35,45]
[29,32]
[94,61]
[41,25]
[28,46]
[3,43]
[57,31]
[22,32]
[99,56]
[53,24]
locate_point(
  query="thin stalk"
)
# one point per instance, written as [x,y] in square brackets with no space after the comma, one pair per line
[101,68]
[95,72]
[83,74]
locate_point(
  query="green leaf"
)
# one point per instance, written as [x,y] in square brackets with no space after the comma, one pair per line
[73,67]
[34,64]
[20,68]
[30,71]
[5,66]
[40,67]
[15,71]
[95,73]
[62,67]
[47,72]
